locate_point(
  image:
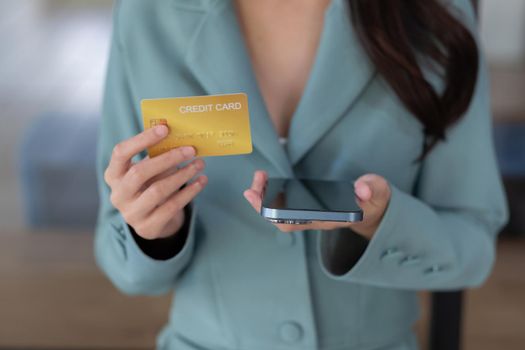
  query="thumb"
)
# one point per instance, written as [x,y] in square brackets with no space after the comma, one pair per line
[372,191]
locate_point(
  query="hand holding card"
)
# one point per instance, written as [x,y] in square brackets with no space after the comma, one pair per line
[149,194]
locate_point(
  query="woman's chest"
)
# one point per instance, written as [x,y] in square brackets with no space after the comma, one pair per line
[281,39]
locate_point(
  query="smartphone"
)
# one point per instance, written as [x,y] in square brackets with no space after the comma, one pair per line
[301,201]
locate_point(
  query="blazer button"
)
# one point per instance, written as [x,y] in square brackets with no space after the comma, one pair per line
[291,332]
[410,260]
[434,268]
[391,254]
[285,239]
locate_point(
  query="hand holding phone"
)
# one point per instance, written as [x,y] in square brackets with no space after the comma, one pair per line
[303,201]
[371,192]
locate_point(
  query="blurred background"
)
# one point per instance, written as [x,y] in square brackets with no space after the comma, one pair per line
[52,296]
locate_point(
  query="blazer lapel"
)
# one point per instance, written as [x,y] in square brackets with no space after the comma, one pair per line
[341,71]
[217,56]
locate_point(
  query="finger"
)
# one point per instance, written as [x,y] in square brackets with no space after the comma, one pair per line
[363,191]
[287,228]
[133,213]
[254,194]
[160,176]
[259,181]
[160,191]
[164,213]
[329,225]
[146,169]
[254,198]
[372,189]
[125,150]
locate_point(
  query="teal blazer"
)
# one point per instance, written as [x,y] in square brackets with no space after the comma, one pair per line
[239,282]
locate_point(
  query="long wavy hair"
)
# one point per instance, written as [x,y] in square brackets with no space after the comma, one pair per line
[395,33]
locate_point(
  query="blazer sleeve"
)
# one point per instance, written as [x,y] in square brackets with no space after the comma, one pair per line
[443,236]
[116,250]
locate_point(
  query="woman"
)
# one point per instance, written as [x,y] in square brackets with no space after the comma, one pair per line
[387,93]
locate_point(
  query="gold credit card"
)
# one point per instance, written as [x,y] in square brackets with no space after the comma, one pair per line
[216,125]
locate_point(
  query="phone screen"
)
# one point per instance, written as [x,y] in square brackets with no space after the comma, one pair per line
[308,194]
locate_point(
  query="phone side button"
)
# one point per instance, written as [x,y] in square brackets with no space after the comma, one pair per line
[285,239]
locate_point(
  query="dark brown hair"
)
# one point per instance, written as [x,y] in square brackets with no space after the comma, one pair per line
[395,33]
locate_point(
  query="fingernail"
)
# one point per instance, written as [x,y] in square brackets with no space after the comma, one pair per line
[199,165]
[161,130]
[361,192]
[203,180]
[188,151]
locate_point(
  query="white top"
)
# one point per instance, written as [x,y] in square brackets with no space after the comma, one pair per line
[283,140]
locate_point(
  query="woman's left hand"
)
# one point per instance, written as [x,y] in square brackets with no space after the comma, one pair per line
[372,195]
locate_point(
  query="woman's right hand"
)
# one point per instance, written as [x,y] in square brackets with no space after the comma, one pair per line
[147,192]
